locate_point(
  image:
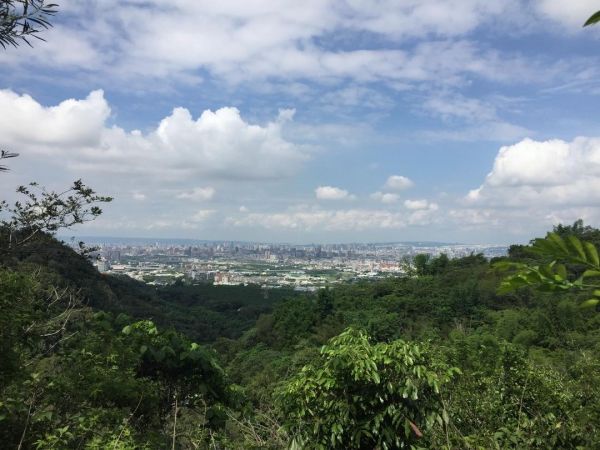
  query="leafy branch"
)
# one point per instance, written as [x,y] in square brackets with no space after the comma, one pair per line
[564,253]
[44,211]
[24,19]
[5,155]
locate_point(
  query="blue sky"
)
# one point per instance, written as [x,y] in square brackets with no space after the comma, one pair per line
[331,121]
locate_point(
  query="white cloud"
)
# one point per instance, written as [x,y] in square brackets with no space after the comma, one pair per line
[546,163]
[385,197]
[216,144]
[332,220]
[534,183]
[469,119]
[70,123]
[418,18]
[197,194]
[239,41]
[336,220]
[553,172]
[202,215]
[332,193]
[458,106]
[398,183]
[420,204]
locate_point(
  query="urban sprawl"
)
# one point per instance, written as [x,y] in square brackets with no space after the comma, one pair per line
[301,267]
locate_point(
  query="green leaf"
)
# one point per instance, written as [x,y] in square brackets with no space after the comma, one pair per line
[445,416]
[545,247]
[557,242]
[591,303]
[561,271]
[591,273]
[594,19]
[592,253]
[576,244]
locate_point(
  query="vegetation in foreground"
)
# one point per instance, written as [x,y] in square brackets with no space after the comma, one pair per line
[457,355]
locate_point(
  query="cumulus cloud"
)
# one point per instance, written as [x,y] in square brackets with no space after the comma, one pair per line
[534,184]
[385,197]
[218,143]
[197,194]
[332,193]
[553,172]
[70,123]
[398,183]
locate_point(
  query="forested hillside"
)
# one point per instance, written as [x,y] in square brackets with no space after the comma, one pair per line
[436,359]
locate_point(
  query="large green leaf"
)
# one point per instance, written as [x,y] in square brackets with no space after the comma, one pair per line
[591,303]
[577,245]
[592,253]
[594,19]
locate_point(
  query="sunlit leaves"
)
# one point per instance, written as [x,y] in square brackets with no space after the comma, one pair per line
[554,276]
[571,250]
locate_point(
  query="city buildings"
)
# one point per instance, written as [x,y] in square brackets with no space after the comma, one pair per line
[302,267]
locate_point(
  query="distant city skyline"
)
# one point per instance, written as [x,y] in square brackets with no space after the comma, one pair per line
[318,121]
[269,265]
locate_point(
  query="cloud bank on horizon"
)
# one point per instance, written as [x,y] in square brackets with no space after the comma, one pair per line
[329,121]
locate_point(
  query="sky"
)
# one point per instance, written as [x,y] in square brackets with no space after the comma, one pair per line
[317,121]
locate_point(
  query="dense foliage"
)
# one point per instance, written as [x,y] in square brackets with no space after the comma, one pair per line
[96,361]
[363,395]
